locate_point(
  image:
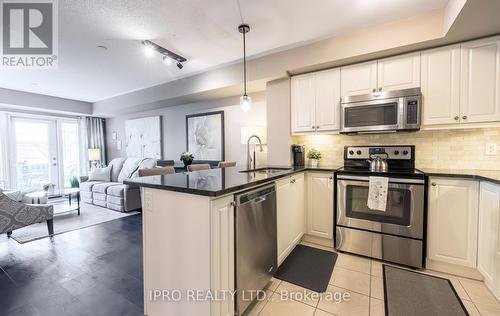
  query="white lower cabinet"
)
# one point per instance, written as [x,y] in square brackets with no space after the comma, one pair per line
[290,193]
[222,249]
[488,262]
[319,218]
[452,221]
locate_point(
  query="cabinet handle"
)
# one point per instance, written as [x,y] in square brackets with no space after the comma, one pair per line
[331,178]
[464,117]
[313,127]
[317,127]
[433,184]
[379,89]
[456,118]
[373,90]
[293,181]
[232,204]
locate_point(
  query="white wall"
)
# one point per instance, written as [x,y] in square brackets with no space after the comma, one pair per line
[278,122]
[174,127]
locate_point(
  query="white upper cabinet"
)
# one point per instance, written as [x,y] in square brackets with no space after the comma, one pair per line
[441,85]
[399,72]
[452,221]
[480,86]
[359,78]
[303,103]
[328,100]
[316,101]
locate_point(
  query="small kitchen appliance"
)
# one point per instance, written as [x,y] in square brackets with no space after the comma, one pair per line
[298,155]
[395,234]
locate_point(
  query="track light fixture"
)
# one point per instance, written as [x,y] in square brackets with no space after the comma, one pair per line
[151,47]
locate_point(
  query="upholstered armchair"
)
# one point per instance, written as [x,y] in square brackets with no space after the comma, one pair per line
[14,215]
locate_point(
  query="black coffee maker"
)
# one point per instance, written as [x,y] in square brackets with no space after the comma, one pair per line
[298,155]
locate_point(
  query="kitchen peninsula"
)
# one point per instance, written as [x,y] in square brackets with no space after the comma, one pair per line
[189,236]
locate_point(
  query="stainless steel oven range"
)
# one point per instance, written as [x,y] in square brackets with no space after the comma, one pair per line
[396,234]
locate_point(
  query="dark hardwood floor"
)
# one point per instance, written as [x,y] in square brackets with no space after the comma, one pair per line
[91,271]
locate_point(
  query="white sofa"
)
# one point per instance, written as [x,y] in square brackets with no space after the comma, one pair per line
[114,194]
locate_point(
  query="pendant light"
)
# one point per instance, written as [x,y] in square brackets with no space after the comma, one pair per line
[245,100]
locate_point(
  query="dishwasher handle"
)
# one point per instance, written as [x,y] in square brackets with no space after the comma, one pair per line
[255,196]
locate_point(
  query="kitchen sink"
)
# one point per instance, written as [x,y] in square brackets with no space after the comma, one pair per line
[267,170]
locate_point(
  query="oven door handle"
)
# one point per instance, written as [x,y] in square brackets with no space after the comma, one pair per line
[391,180]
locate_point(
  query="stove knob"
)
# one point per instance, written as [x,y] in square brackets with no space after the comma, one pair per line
[405,152]
[351,152]
[358,152]
[396,152]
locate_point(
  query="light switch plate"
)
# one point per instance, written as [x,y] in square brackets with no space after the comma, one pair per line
[491,149]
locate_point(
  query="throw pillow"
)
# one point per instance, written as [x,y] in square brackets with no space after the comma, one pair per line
[100,174]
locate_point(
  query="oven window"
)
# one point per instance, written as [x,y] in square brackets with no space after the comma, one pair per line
[371,115]
[398,210]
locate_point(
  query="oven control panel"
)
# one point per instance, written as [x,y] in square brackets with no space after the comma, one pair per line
[389,152]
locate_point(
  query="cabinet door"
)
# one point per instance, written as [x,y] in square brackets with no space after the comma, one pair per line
[284,203]
[222,248]
[489,208]
[441,85]
[358,79]
[327,100]
[303,103]
[297,210]
[452,221]
[480,84]
[399,72]
[320,204]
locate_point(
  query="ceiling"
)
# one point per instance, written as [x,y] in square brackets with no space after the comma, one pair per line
[205,32]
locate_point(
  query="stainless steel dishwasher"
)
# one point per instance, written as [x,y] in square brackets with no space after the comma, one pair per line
[256,243]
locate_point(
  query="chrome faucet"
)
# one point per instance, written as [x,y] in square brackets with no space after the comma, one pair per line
[249,157]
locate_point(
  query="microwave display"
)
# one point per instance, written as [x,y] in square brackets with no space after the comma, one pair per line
[412,112]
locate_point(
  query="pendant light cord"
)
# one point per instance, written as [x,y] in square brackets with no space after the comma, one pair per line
[244,64]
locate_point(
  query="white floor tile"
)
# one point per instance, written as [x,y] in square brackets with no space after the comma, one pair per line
[278,307]
[351,280]
[352,262]
[356,305]
[478,292]
[376,307]
[377,287]
[298,293]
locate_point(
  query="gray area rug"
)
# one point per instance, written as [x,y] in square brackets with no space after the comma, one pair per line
[90,215]
[412,293]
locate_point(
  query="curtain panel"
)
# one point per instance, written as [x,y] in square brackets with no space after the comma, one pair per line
[92,135]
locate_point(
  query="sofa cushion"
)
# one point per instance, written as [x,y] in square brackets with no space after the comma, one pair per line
[129,167]
[101,174]
[99,196]
[117,164]
[146,163]
[103,187]
[117,190]
[116,207]
[99,203]
[87,186]
[86,195]
[115,200]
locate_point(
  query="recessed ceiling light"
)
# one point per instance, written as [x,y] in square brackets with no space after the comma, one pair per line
[102,47]
[148,50]
[34,83]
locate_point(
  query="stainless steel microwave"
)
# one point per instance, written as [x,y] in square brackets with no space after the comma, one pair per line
[381,112]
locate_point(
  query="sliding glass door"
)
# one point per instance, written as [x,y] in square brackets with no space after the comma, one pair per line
[35,153]
[44,151]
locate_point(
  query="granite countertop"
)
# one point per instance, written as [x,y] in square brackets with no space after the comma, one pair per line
[220,181]
[476,174]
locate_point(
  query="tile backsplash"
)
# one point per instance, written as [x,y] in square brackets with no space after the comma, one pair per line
[461,149]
